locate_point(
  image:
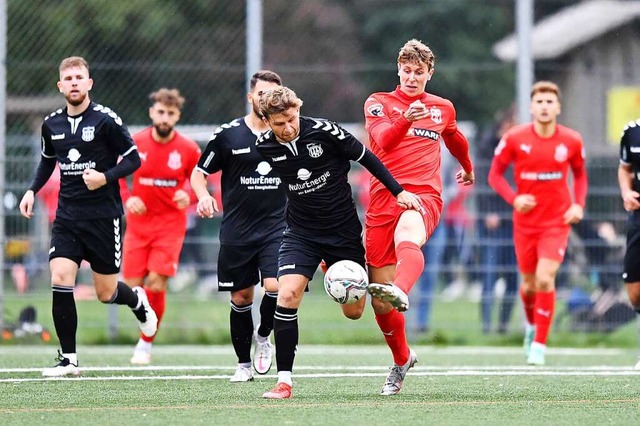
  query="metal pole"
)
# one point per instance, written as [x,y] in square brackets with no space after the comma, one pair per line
[3,138]
[254,42]
[524,72]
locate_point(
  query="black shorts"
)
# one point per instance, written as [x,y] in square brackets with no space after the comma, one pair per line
[301,253]
[241,267]
[98,241]
[631,272]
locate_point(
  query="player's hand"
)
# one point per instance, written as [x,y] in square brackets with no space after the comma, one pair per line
[26,204]
[135,205]
[207,206]
[574,214]
[465,178]
[410,201]
[630,200]
[492,221]
[416,111]
[93,179]
[182,199]
[524,203]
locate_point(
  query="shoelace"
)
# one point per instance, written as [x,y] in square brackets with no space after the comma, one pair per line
[395,376]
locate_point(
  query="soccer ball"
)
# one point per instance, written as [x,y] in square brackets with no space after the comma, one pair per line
[346,282]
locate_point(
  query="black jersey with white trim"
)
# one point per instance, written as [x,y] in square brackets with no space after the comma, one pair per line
[253,197]
[314,169]
[630,150]
[93,139]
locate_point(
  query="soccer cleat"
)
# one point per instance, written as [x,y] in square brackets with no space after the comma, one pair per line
[149,324]
[281,391]
[262,355]
[63,368]
[390,293]
[242,374]
[536,355]
[393,384]
[529,335]
[140,358]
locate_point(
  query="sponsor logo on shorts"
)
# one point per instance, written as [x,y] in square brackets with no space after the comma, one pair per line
[225,284]
[284,267]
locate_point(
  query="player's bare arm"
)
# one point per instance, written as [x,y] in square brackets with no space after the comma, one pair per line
[629,196]
[93,179]
[207,205]
[524,203]
[26,204]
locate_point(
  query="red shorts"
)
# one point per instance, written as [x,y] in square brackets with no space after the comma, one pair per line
[533,245]
[151,251]
[381,222]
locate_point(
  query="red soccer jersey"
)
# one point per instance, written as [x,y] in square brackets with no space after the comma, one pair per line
[411,150]
[165,169]
[541,168]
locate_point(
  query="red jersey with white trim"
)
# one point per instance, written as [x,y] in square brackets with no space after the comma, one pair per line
[414,159]
[165,169]
[541,168]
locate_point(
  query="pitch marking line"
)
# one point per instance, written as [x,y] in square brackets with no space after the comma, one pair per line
[416,373]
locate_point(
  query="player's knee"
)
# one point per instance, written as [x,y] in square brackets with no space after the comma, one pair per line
[104,296]
[242,297]
[545,283]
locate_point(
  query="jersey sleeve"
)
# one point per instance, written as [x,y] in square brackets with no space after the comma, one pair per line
[382,130]
[625,147]
[212,158]
[119,135]
[579,170]
[46,148]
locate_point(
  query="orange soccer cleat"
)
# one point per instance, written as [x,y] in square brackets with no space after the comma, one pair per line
[281,391]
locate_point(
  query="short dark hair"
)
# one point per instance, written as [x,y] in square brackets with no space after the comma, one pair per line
[168,97]
[265,75]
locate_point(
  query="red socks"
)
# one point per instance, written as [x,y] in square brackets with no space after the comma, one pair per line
[543,315]
[528,302]
[157,300]
[409,265]
[392,326]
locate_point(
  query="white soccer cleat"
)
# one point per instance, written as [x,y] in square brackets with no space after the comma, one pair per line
[529,335]
[62,369]
[393,383]
[140,358]
[262,355]
[390,293]
[242,374]
[149,327]
[536,354]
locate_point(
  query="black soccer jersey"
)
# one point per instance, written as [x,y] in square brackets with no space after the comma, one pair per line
[630,150]
[92,140]
[253,197]
[314,169]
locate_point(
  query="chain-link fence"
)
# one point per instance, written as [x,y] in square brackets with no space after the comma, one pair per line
[333,53]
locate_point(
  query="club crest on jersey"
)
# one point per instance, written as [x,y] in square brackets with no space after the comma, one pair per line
[376,110]
[561,154]
[88,133]
[175,160]
[435,114]
[315,150]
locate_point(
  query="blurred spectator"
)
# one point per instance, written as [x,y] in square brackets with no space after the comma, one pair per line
[495,234]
